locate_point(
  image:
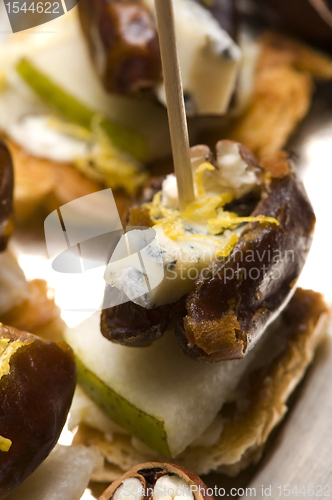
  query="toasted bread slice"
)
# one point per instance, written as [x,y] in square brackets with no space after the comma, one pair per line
[42,184]
[285,76]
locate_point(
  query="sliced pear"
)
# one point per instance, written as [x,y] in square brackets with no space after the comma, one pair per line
[150,429]
[73,110]
[155,393]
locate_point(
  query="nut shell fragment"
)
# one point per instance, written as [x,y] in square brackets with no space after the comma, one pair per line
[150,472]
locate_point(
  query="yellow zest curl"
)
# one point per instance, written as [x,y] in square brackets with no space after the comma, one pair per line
[198,177]
[104,163]
[227,248]
[7,349]
[173,228]
[205,209]
[5,444]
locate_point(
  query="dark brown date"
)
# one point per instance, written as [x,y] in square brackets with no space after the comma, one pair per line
[123,44]
[35,396]
[6,194]
[230,306]
[130,324]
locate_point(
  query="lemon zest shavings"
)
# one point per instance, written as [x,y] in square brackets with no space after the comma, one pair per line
[198,177]
[173,228]
[7,349]
[228,246]
[206,209]
[116,169]
[104,163]
[168,219]
[5,444]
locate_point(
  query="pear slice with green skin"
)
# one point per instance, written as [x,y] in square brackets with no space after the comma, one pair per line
[150,430]
[156,393]
[125,139]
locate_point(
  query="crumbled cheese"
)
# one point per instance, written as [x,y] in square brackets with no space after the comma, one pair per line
[164,266]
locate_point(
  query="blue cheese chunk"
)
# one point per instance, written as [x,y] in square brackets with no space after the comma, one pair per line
[209,59]
[164,270]
[159,265]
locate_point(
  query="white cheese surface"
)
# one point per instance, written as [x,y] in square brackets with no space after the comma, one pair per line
[63,57]
[164,270]
[28,122]
[37,137]
[209,59]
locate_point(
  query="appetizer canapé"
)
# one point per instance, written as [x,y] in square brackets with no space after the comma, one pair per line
[163,402]
[224,280]
[166,404]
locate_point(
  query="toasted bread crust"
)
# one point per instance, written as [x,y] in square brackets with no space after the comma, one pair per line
[282,96]
[58,184]
[38,314]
